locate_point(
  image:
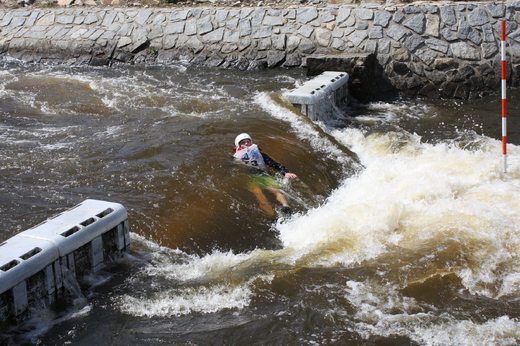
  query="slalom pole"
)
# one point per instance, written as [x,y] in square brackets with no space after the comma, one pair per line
[504,102]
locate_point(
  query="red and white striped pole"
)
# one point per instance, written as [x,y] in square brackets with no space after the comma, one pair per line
[504,102]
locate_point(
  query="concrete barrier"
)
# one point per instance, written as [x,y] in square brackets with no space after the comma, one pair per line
[318,97]
[33,263]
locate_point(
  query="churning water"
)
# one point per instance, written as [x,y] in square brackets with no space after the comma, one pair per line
[404,229]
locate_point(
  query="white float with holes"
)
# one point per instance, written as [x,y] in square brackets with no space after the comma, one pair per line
[317,97]
[79,240]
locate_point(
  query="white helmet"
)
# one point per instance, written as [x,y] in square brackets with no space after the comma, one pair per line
[240,138]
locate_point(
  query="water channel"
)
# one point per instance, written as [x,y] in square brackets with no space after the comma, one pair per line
[404,229]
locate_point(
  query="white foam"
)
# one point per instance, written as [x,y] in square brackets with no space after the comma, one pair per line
[216,267]
[43,320]
[205,299]
[205,284]
[83,312]
[499,331]
[412,196]
[130,92]
[36,136]
[173,264]
[401,110]
[412,193]
[6,76]
[510,284]
[382,311]
[212,265]
[302,128]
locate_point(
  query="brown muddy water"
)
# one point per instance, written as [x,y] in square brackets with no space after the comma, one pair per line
[404,230]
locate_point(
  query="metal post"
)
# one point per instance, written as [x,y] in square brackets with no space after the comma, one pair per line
[504,102]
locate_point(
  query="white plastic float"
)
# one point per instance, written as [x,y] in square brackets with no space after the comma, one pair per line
[317,97]
[79,241]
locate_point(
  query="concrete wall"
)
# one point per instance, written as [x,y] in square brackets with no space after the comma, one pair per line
[438,49]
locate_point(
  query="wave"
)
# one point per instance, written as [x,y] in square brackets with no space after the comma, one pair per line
[446,205]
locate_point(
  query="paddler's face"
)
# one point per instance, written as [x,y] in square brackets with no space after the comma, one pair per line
[245,143]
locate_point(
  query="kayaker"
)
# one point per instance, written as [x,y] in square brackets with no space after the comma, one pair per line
[250,154]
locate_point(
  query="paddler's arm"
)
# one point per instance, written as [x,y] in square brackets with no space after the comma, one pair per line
[277,166]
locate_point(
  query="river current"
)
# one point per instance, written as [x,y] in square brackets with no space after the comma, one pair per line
[404,229]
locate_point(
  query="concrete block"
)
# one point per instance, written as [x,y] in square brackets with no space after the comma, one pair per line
[79,225]
[20,301]
[96,253]
[120,238]
[313,97]
[35,263]
[22,257]
[126,231]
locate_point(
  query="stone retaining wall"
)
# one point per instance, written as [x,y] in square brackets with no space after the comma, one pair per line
[446,50]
